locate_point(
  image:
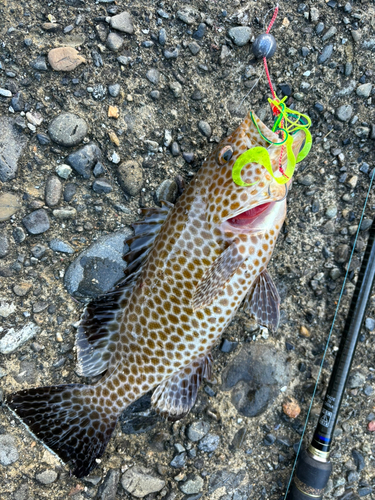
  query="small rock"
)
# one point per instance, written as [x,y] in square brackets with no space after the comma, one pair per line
[108,489]
[113,112]
[153,76]
[371,426]
[176,89]
[344,112]
[101,186]
[19,235]
[9,205]
[69,191]
[22,289]
[331,211]
[5,93]
[356,380]
[65,213]
[37,222]
[171,54]
[53,191]
[359,461]
[6,310]
[122,22]
[370,324]
[58,245]
[114,42]
[307,180]
[130,177]
[99,92]
[291,407]
[162,37]
[18,102]
[194,48]
[114,90]
[362,132]
[198,430]
[67,129]
[65,58]
[40,64]
[12,143]
[352,182]
[13,339]
[200,32]
[194,484]
[46,477]
[43,139]
[204,128]
[98,169]
[178,461]
[8,450]
[139,482]
[304,332]
[326,54]
[364,90]
[187,15]
[63,171]
[329,33]
[4,245]
[84,159]
[269,439]
[240,35]
[166,191]
[209,443]
[38,251]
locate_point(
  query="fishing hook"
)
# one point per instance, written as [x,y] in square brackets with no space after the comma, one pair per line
[285,195]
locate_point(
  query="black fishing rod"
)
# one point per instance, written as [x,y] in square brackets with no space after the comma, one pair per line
[313,466]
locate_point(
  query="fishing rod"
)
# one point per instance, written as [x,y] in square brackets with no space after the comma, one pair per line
[313,467]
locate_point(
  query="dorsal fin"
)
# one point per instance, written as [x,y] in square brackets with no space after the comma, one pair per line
[175,397]
[98,328]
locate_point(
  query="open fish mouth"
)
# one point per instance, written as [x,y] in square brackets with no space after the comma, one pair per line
[251,216]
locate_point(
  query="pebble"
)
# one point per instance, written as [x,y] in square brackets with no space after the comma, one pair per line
[193,484]
[114,42]
[240,35]
[344,112]
[153,76]
[65,213]
[304,332]
[5,93]
[171,54]
[364,90]
[40,64]
[198,430]
[46,477]
[176,89]
[43,139]
[291,407]
[98,169]
[53,191]
[352,182]
[371,426]
[187,15]
[8,450]
[19,235]
[69,191]
[22,289]
[130,177]
[306,180]
[188,157]
[108,489]
[38,251]
[139,481]
[67,129]
[114,90]
[358,459]
[96,270]
[370,324]
[18,102]
[101,186]
[122,22]
[155,95]
[36,222]
[9,205]
[58,245]
[178,461]
[362,132]
[12,143]
[194,48]
[204,128]
[63,171]
[162,37]
[269,440]
[6,309]
[209,443]
[326,54]
[99,92]
[84,159]
[200,32]
[329,33]
[356,380]
[13,339]
[331,211]
[65,58]
[166,191]
[239,439]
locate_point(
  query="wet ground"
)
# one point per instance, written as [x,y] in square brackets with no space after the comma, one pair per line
[153,92]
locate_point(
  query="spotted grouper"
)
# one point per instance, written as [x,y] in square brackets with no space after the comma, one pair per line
[190,267]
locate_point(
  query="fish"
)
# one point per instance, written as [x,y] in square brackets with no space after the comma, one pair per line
[190,266]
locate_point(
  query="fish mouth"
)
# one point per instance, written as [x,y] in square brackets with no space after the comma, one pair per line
[251,217]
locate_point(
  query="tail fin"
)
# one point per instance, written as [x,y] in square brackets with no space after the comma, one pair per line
[68,422]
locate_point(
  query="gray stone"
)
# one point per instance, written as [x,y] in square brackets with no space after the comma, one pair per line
[162,37]
[53,191]
[114,41]
[19,234]
[5,93]
[13,339]
[12,143]
[122,22]
[99,92]
[364,90]
[176,89]
[84,159]
[344,112]
[139,482]
[342,253]
[153,76]
[175,148]
[329,33]
[204,128]
[362,132]
[347,89]
[6,310]
[370,324]
[187,15]
[4,245]
[18,102]
[98,169]
[171,54]
[114,90]
[101,186]
[38,251]
[67,129]
[130,177]
[197,430]
[326,54]
[193,484]
[108,490]
[48,476]
[37,222]
[40,64]
[97,269]
[69,191]
[65,213]
[8,450]
[58,245]
[63,171]
[356,380]
[166,191]
[194,48]
[240,35]
[306,180]
[178,461]
[331,211]
[209,443]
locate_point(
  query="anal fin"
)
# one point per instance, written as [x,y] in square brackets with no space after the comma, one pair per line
[263,301]
[175,397]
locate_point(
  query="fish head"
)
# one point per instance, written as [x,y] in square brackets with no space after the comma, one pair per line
[247,208]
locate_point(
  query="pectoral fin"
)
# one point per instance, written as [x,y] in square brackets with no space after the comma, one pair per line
[217,276]
[263,301]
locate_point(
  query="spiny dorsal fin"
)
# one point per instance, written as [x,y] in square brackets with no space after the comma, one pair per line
[175,397]
[263,301]
[217,276]
[96,331]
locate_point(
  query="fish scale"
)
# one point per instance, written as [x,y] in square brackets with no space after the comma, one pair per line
[190,267]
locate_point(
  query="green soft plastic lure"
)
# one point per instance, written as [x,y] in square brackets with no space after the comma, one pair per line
[288,126]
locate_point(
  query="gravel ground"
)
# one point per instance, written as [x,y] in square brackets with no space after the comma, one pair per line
[106,108]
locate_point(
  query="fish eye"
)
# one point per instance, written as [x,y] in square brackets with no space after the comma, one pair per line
[225,155]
